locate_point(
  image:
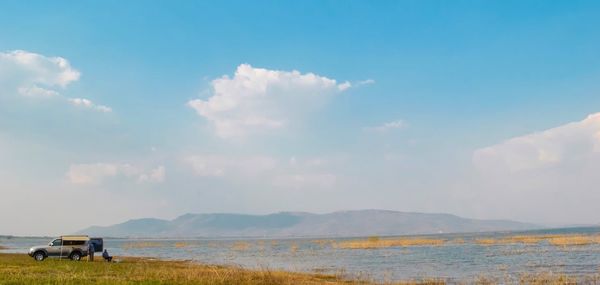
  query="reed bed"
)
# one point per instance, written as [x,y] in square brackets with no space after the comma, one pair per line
[572,240]
[547,278]
[142,244]
[183,244]
[293,248]
[486,241]
[556,240]
[374,243]
[240,246]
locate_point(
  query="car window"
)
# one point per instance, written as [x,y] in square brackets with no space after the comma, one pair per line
[56,242]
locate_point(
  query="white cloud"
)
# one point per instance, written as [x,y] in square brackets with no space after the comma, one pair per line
[37,76]
[365,82]
[257,99]
[385,127]
[572,143]
[32,74]
[96,173]
[156,175]
[535,174]
[219,165]
[35,91]
[305,181]
[293,173]
[81,102]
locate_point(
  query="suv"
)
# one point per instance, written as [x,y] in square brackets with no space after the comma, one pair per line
[73,247]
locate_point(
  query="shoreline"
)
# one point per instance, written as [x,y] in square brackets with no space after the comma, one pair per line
[22,269]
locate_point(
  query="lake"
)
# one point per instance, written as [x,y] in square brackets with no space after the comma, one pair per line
[462,257]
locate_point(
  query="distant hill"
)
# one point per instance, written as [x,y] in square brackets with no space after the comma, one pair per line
[290,224]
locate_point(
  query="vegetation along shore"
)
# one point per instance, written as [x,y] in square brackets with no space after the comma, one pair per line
[21,269]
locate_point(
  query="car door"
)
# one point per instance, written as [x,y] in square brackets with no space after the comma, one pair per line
[55,247]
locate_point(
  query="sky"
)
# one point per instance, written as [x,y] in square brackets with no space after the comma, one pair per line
[114,110]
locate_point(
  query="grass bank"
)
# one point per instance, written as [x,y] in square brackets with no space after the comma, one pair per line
[22,269]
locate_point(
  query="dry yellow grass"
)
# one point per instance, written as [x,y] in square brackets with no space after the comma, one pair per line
[322,242]
[373,242]
[22,269]
[571,240]
[240,246]
[557,240]
[142,244]
[523,239]
[457,241]
[486,241]
[181,244]
[293,247]
[526,239]
[547,279]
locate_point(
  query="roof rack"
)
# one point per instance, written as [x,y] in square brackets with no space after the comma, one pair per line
[75,237]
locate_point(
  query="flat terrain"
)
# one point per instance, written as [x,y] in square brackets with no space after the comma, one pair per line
[22,269]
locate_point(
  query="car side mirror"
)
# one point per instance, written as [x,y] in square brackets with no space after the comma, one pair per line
[49,244]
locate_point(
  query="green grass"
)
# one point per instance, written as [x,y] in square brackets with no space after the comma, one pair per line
[22,269]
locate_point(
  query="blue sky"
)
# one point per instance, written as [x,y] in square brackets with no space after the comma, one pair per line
[476,108]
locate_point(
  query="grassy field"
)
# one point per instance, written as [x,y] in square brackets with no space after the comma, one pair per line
[22,269]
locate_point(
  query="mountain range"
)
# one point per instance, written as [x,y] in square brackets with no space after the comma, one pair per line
[300,224]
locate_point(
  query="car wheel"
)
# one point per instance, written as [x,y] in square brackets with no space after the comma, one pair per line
[75,256]
[39,256]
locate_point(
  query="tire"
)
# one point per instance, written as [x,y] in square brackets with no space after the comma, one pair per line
[39,256]
[75,256]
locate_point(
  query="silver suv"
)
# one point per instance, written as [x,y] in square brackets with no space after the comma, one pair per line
[73,247]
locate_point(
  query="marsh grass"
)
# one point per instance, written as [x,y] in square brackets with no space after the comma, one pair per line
[547,278]
[185,244]
[374,243]
[556,240]
[142,244]
[486,241]
[322,243]
[241,246]
[573,240]
[293,247]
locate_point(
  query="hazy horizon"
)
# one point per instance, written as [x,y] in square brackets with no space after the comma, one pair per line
[114,110]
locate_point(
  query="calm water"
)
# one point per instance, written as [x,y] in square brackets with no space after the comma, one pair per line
[454,261]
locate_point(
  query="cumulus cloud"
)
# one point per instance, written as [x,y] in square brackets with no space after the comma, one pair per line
[85,103]
[96,173]
[572,144]
[37,76]
[257,99]
[538,173]
[385,127]
[33,74]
